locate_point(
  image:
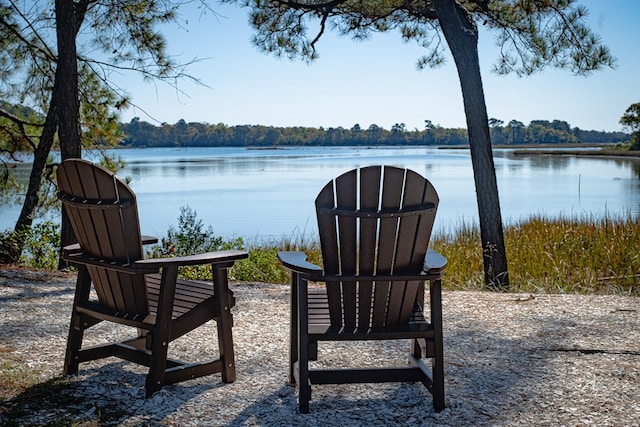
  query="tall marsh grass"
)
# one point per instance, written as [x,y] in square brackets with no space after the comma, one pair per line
[588,255]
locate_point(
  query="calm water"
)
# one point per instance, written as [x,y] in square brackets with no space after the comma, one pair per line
[270,193]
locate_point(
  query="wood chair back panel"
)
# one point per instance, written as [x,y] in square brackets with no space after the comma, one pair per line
[374,221]
[104,217]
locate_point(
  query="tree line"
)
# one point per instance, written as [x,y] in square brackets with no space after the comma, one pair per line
[139,134]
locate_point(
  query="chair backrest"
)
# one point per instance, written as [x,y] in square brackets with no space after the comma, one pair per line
[104,217]
[374,221]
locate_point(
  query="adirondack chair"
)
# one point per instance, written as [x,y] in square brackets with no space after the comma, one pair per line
[374,225]
[145,294]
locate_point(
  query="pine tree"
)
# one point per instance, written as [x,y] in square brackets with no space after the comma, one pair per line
[533,34]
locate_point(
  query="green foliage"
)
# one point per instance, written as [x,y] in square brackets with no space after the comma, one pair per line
[631,120]
[589,255]
[42,246]
[631,117]
[192,238]
[11,244]
[531,35]
[143,134]
[261,266]
[17,124]
[40,243]
[464,257]
[113,164]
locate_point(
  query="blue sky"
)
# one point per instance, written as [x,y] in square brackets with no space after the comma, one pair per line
[376,81]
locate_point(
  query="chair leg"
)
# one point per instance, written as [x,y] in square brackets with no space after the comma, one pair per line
[76,330]
[438,383]
[161,331]
[224,324]
[438,358]
[304,387]
[293,332]
[74,344]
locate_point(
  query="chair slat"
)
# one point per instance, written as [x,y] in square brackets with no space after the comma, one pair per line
[329,245]
[327,223]
[369,200]
[346,198]
[390,199]
[409,242]
[69,179]
[112,234]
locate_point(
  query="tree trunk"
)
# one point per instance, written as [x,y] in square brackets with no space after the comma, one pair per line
[32,196]
[67,79]
[62,116]
[69,105]
[461,35]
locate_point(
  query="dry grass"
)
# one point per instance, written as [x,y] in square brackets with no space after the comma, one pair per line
[584,256]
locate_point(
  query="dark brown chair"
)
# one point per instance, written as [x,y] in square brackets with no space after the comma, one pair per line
[374,225]
[142,293]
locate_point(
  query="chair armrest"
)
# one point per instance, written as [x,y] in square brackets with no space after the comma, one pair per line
[71,249]
[76,256]
[297,261]
[149,240]
[219,257]
[75,247]
[434,262]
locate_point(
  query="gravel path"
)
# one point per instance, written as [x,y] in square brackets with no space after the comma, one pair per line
[510,359]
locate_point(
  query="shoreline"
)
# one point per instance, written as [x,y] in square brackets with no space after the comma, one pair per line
[631,155]
[577,150]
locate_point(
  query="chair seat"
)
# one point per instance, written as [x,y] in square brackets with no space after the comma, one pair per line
[194,304]
[189,294]
[320,328]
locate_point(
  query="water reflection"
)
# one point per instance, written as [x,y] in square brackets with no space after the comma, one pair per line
[635,167]
[263,193]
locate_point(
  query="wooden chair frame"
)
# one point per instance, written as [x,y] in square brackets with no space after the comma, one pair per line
[364,298]
[145,294]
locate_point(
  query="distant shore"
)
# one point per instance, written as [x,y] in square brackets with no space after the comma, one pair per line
[583,150]
[583,153]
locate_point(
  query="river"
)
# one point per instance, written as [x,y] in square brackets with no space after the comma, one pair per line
[266,194]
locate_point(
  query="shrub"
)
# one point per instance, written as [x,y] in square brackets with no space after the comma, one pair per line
[40,243]
[191,238]
[10,243]
[42,246]
[261,266]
